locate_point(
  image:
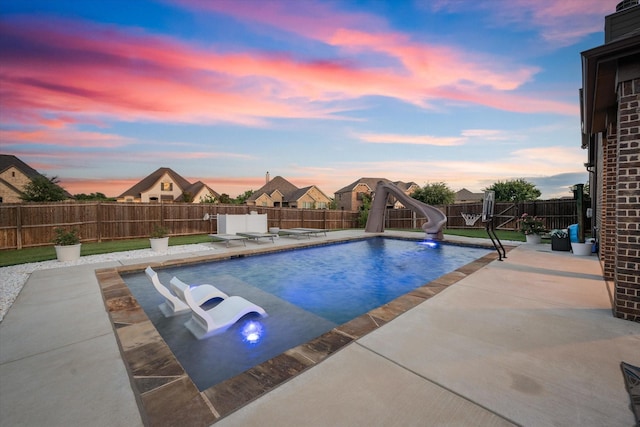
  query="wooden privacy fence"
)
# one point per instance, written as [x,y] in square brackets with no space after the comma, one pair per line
[556,214]
[30,224]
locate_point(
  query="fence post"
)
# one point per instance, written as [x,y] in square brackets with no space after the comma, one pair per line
[18,228]
[99,222]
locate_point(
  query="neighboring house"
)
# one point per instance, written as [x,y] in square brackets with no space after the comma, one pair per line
[466,196]
[610,103]
[14,176]
[349,198]
[278,192]
[166,186]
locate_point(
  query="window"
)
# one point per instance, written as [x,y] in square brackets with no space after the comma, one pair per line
[322,205]
[166,186]
[307,205]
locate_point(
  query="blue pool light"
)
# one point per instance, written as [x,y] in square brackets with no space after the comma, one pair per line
[430,244]
[252,332]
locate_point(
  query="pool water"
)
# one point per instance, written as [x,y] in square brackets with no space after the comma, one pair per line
[306,292]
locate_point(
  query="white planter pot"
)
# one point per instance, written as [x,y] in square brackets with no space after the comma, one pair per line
[533,239]
[68,252]
[160,244]
[582,249]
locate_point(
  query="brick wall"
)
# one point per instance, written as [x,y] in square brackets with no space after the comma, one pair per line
[627,199]
[608,217]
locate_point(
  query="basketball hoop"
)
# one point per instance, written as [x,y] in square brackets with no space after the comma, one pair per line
[471,219]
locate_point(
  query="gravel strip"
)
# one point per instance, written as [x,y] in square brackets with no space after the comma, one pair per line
[13,278]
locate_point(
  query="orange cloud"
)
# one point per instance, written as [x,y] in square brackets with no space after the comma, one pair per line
[411,139]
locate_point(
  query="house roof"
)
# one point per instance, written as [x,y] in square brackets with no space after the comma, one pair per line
[465,194]
[278,183]
[8,160]
[302,191]
[370,182]
[194,189]
[151,179]
[602,67]
[373,183]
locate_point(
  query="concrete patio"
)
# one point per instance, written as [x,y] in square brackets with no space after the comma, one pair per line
[527,341]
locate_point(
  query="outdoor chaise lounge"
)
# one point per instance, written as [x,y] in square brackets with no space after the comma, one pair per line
[228,238]
[256,235]
[295,232]
[314,231]
[205,323]
[173,304]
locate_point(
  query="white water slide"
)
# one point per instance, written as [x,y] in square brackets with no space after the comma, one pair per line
[375,222]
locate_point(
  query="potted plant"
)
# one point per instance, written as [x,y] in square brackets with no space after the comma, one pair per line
[67,244]
[560,240]
[159,239]
[532,227]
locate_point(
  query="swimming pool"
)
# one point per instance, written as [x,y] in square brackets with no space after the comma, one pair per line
[306,292]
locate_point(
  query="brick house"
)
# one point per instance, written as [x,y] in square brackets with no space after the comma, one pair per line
[349,198]
[166,186]
[610,110]
[14,177]
[278,192]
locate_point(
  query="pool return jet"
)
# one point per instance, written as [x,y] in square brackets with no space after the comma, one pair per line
[436,220]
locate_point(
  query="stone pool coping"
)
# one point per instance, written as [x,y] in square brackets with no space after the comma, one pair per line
[164,392]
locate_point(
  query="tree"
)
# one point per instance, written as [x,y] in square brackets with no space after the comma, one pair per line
[363,216]
[435,194]
[208,198]
[93,197]
[187,197]
[43,189]
[243,197]
[515,190]
[225,199]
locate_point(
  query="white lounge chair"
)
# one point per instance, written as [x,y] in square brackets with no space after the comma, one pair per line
[296,232]
[257,235]
[206,323]
[174,304]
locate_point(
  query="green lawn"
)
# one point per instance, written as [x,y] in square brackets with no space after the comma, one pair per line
[482,233]
[45,253]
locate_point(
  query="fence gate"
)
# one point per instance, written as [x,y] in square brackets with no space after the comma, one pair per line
[507,215]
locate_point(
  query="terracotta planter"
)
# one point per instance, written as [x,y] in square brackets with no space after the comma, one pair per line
[68,252]
[160,244]
[533,239]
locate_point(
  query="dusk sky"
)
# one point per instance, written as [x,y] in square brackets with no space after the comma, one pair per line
[103,93]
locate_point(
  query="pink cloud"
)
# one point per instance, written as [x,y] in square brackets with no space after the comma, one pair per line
[62,138]
[60,72]
[423,71]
